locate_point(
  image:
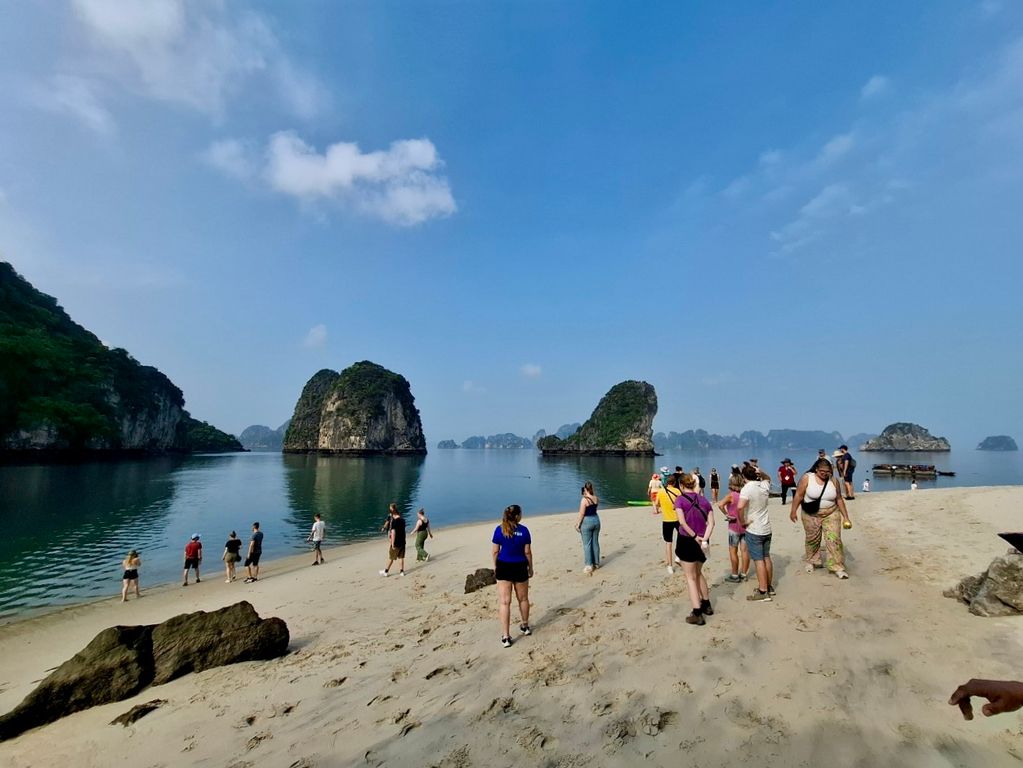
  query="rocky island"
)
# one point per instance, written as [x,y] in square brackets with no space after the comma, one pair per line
[63,393]
[259,437]
[621,425]
[504,440]
[903,436]
[365,410]
[998,443]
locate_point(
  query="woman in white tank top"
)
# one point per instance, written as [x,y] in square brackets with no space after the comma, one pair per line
[817,500]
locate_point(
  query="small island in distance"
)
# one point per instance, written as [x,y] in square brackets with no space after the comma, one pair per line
[998,443]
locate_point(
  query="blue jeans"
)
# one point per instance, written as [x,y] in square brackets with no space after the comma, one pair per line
[590,530]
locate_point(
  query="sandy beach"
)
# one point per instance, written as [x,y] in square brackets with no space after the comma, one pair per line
[410,672]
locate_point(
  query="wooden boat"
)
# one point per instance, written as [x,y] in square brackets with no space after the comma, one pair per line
[912,470]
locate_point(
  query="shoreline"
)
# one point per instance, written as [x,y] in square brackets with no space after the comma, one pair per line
[386,670]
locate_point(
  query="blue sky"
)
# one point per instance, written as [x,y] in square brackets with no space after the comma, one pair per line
[797,214]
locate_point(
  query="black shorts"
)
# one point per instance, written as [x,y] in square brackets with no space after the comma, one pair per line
[689,550]
[130,575]
[192,562]
[253,559]
[848,475]
[517,573]
[667,531]
[316,545]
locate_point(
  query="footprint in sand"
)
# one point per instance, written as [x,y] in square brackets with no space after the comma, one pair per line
[337,682]
[258,739]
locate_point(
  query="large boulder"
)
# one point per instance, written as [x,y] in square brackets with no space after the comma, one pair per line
[121,661]
[903,436]
[996,592]
[193,642]
[621,425]
[364,410]
[483,577]
[116,664]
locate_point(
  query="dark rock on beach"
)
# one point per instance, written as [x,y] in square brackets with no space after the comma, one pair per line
[996,592]
[137,712]
[121,661]
[483,577]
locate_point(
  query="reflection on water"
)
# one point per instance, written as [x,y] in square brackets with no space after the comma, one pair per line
[351,493]
[66,528]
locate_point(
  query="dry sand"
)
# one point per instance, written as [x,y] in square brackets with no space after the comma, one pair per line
[410,672]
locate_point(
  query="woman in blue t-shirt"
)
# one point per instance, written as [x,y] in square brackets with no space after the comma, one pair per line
[513,566]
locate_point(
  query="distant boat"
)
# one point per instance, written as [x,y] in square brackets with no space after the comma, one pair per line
[913,470]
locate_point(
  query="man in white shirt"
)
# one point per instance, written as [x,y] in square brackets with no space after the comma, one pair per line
[316,537]
[754,515]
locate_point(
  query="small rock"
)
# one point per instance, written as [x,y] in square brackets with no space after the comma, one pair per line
[138,712]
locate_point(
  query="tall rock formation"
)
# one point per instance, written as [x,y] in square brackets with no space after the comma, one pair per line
[903,436]
[621,425]
[366,409]
[62,391]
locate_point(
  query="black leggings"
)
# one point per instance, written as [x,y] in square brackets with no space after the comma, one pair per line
[785,492]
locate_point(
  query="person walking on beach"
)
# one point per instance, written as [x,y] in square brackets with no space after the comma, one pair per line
[846,466]
[754,516]
[396,541]
[653,488]
[823,514]
[787,478]
[669,518]
[422,530]
[130,577]
[316,534]
[512,552]
[232,556]
[255,552]
[588,525]
[193,556]
[738,553]
[695,526]
[715,485]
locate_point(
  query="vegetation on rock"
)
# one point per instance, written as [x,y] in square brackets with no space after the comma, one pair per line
[998,443]
[904,436]
[303,433]
[620,424]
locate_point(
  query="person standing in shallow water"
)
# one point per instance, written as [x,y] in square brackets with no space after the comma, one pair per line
[588,526]
[130,577]
[512,552]
[422,530]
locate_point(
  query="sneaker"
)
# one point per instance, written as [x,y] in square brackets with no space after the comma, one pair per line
[506,641]
[743,577]
[670,570]
[384,573]
[677,560]
[524,629]
[401,573]
[706,608]
[184,583]
[734,578]
[695,618]
[770,590]
[842,574]
[808,567]
[759,597]
[427,558]
[588,569]
[197,579]
[316,562]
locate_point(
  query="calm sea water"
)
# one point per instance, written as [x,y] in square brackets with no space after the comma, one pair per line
[66,528]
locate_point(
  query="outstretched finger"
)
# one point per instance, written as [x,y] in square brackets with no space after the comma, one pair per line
[966,707]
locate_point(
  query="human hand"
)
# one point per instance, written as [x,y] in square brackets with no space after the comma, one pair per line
[792,516]
[1002,696]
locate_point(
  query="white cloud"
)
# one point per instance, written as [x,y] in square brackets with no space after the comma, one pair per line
[316,337]
[875,86]
[991,8]
[770,158]
[531,371]
[192,54]
[472,388]
[398,185]
[836,148]
[78,98]
[232,157]
[737,188]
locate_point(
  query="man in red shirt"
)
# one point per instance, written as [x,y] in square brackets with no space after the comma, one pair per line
[193,556]
[787,476]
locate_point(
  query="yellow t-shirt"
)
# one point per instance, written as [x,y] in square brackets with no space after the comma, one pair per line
[666,503]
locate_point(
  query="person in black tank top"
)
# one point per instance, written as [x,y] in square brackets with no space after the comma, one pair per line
[588,525]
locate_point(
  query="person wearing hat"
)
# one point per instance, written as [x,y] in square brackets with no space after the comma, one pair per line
[787,476]
[193,556]
[131,565]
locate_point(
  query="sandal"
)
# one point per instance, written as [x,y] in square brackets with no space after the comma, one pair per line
[809,568]
[842,574]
